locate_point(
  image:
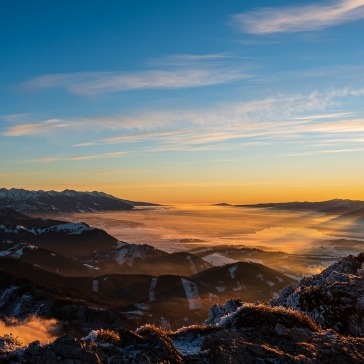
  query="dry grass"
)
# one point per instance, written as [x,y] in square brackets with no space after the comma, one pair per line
[108,336]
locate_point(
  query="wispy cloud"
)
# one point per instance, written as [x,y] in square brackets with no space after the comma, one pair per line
[51,159]
[120,172]
[38,128]
[174,72]
[283,118]
[168,121]
[328,151]
[299,18]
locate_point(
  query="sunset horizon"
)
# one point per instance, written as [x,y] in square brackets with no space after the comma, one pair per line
[206,194]
[233,102]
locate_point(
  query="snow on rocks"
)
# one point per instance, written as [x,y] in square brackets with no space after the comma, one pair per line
[188,340]
[333,298]
[219,312]
[13,252]
[6,294]
[69,228]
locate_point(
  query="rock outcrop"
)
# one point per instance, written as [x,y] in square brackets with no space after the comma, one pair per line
[333,299]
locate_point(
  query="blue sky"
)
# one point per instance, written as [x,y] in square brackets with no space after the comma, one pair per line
[195,101]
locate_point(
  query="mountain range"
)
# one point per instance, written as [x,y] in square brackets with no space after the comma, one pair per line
[142,282]
[67,201]
[335,206]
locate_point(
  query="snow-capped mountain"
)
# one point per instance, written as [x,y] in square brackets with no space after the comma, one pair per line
[76,249]
[67,201]
[68,239]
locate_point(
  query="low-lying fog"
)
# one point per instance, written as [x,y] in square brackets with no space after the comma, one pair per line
[176,228]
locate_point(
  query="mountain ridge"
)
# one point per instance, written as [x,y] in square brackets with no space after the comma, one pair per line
[66,201]
[328,206]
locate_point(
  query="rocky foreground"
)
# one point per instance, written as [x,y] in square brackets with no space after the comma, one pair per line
[311,331]
[250,334]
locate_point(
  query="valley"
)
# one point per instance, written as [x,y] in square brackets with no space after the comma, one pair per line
[182,269]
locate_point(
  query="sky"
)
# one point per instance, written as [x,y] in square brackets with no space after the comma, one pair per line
[184,101]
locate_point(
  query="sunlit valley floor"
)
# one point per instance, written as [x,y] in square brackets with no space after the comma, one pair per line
[63,271]
[311,240]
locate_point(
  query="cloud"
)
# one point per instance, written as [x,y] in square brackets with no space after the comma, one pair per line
[120,171]
[299,18]
[170,121]
[341,126]
[175,72]
[38,128]
[328,151]
[284,119]
[52,159]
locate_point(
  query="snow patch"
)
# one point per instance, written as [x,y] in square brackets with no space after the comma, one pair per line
[232,270]
[70,228]
[95,285]
[218,259]
[191,291]
[188,345]
[239,287]
[252,260]
[89,266]
[142,306]
[193,265]
[6,294]
[153,284]
[91,336]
